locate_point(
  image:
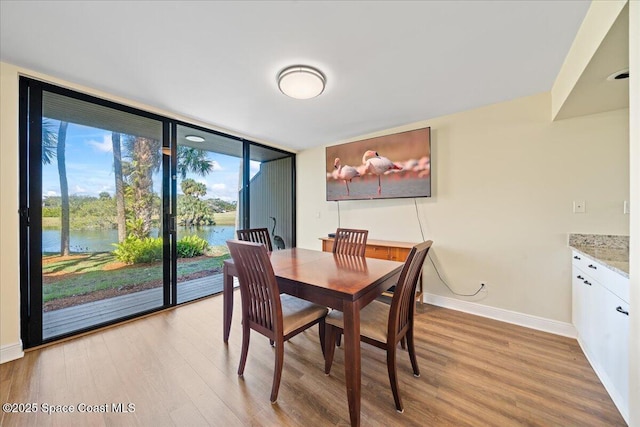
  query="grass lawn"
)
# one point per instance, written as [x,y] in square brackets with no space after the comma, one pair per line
[226,218]
[80,274]
[83,273]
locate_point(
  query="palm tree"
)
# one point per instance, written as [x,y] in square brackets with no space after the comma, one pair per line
[119,196]
[193,160]
[145,158]
[49,141]
[64,188]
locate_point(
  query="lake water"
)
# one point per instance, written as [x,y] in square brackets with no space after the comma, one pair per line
[102,240]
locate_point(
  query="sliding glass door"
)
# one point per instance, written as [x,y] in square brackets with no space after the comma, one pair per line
[207,180]
[96,222]
[124,212]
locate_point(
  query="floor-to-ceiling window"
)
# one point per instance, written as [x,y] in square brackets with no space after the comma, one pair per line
[271,183]
[124,212]
[207,181]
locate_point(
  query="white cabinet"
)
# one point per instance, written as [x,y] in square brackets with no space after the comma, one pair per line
[601,317]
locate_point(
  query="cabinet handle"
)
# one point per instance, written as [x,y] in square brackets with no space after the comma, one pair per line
[576,257]
[593,266]
[580,277]
[586,282]
[620,310]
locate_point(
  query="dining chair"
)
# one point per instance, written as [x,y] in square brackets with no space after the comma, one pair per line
[349,241]
[264,310]
[256,235]
[384,325]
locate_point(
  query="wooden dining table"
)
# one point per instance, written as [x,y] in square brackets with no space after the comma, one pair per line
[342,282]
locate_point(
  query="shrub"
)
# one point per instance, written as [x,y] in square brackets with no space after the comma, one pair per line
[51,212]
[135,250]
[191,246]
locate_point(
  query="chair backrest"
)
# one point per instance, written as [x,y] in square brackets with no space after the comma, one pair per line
[261,306]
[256,235]
[350,241]
[404,296]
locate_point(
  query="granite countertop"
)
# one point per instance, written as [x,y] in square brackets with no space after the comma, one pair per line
[611,251]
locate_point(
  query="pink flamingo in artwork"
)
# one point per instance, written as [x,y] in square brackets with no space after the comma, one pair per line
[345,173]
[377,165]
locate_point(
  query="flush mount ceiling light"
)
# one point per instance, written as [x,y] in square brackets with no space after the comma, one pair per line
[619,75]
[301,82]
[194,138]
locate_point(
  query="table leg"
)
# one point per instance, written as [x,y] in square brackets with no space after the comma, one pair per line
[352,359]
[227,302]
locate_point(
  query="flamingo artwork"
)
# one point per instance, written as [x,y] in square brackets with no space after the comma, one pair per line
[377,165]
[345,173]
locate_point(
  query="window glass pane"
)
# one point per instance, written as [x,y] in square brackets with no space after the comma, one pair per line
[270,192]
[101,214]
[207,199]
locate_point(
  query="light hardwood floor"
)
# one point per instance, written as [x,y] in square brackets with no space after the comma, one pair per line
[175,369]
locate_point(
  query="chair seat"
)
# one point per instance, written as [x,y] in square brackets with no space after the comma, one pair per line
[297,312]
[373,320]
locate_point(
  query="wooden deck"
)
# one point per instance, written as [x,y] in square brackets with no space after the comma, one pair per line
[65,320]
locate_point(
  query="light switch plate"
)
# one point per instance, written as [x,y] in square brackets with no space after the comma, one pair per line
[626,210]
[579,206]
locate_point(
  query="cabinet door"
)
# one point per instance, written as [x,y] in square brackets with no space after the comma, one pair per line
[614,351]
[584,307]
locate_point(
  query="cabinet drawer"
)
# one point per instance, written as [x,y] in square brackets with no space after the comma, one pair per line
[609,279]
[399,254]
[379,252]
[587,265]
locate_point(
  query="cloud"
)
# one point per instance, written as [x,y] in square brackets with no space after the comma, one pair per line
[78,189]
[51,193]
[218,187]
[216,166]
[105,146]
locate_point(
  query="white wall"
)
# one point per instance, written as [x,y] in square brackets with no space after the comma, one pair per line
[504,178]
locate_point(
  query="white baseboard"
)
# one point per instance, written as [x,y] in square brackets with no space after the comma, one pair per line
[11,352]
[520,319]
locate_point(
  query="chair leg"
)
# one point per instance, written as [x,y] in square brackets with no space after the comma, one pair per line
[393,377]
[246,333]
[403,342]
[338,338]
[321,333]
[277,370]
[329,347]
[412,353]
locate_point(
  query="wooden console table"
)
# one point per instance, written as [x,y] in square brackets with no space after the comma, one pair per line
[383,249]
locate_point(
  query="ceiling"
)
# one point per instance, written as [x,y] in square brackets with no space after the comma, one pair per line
[387,63]
[595,91]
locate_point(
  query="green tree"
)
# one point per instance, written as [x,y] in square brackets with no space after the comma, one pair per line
[191,209]
[193,160]
[49,141]
[144,160]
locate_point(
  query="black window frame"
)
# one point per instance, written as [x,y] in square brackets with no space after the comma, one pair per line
[30,183]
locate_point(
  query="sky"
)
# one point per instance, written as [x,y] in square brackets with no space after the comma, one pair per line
[89,161]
